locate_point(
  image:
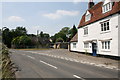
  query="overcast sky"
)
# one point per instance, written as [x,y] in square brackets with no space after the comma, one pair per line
[48,17]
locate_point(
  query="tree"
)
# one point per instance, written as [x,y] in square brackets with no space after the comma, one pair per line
[72,32]
[7,37]
[21,41]
[19,31]
[59,40]
[41,34]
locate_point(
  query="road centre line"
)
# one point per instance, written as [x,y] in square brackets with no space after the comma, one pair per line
[48,64]
[78,77]
[31,57]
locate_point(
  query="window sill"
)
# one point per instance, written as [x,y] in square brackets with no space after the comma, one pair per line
[85,35]
[105,50]
[103,32]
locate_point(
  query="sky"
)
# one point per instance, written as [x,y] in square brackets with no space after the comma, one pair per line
[49,17]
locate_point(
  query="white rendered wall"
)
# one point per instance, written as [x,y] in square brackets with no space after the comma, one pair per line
[95,33]
[72,48]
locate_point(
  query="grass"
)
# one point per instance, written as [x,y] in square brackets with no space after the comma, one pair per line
[6,72]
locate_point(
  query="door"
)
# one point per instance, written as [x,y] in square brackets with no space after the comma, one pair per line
[94,49]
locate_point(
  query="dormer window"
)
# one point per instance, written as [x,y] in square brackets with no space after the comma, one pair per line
[107,7]
[88,16]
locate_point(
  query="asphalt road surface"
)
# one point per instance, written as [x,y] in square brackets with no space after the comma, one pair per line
[41,66]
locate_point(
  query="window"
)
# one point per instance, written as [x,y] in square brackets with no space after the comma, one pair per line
[87,18]
[107,7]
[106,45]
[86,45]
[74,45]
[85,30]
[105,26]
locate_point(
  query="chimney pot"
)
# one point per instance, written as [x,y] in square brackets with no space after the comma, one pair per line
[90,4]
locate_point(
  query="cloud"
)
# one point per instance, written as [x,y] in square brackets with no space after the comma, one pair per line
[59,13]
[15,19]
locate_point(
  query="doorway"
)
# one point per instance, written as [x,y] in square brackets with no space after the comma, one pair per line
[94,49]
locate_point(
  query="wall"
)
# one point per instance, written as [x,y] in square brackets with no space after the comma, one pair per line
[72,48]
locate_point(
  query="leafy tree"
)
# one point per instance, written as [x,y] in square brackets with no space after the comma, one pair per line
[59,40]
[21,41]
[41,34]
[7,37]
[72,32]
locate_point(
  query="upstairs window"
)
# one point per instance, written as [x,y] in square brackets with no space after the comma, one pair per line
[105,26]
[85,30]
[88,17]
[107,7]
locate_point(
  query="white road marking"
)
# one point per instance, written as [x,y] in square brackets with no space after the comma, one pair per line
[48,64]
[31,57]
[23,54]
[78,77]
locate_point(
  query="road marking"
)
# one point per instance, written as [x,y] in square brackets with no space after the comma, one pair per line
[31,57]
[78,77]
[23,54]
[48,64]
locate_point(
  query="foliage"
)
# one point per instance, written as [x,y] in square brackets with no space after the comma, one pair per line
[65,34]
[59,40]
[21,41]
[44,35]
[72,32]
[9,35]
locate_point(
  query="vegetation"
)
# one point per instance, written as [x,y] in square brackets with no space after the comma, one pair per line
[18,38]
[65,34]
[6,65]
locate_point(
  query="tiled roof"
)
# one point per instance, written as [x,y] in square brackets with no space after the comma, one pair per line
[75,38]
[97,14]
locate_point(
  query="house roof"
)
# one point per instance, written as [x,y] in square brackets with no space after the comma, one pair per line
[97,14]
[75,38]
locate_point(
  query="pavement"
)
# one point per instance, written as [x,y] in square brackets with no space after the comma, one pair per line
[60,63]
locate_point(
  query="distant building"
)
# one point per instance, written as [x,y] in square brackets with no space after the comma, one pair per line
[98,29]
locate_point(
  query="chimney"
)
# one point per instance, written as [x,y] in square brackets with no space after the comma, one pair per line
[90,4]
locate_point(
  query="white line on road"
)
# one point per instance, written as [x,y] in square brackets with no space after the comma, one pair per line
[48,64]
[31,57]
[78,77]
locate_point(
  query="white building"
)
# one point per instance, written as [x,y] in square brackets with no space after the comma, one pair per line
[98,29]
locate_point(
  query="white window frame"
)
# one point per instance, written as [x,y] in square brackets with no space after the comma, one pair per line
[107,7]
[105,26]
[87,17]
[85,31]
[106,45]
[74,45]
[86,45]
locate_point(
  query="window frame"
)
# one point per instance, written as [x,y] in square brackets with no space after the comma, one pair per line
[107,7]
[74,45]
[86,45]
[105,26]
[85,31]
[106,45]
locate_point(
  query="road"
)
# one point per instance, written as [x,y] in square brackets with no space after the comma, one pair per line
[40,65]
